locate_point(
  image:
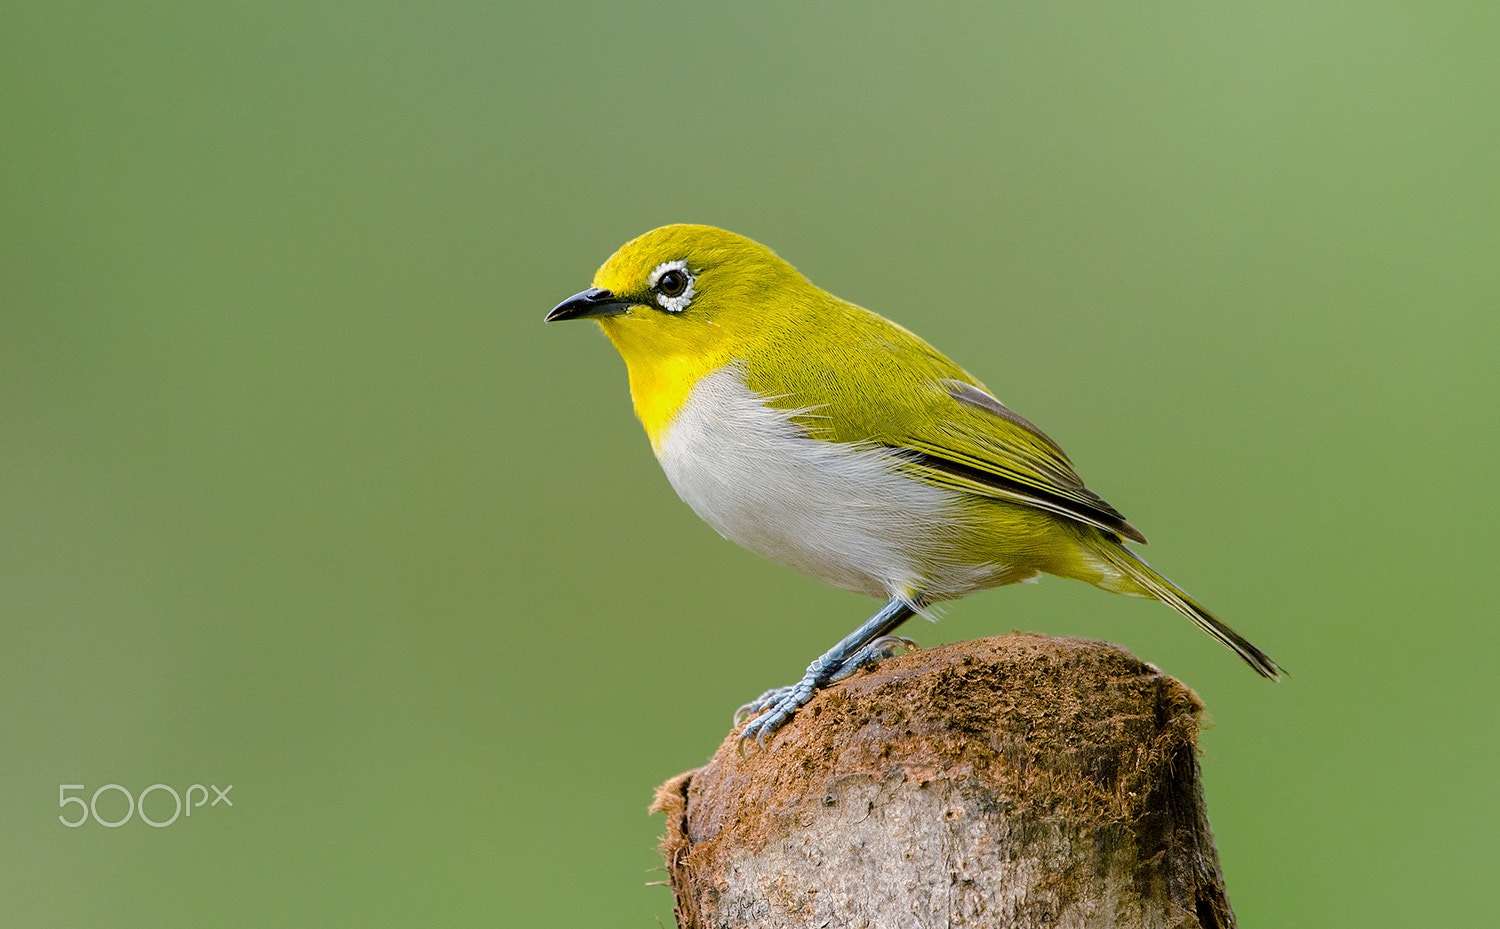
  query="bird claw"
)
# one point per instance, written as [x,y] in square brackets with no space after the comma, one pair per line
[776,707]
[762,703]
[768,722]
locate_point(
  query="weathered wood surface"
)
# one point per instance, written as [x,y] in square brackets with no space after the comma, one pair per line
[1019,781]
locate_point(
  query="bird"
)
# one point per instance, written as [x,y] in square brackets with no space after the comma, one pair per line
[823,436]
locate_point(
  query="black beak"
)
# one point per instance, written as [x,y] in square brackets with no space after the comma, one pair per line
[591,304]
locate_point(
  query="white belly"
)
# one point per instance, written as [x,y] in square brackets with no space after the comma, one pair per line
[837,512]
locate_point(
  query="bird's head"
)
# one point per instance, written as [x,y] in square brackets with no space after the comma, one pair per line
[687,291]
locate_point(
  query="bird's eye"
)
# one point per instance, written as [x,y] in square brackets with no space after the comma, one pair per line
[673,283]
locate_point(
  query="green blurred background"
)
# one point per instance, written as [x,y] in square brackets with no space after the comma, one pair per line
[300,496]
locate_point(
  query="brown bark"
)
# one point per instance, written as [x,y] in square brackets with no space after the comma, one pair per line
[1017,781]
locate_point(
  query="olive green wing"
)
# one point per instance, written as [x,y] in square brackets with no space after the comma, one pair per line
[979,446]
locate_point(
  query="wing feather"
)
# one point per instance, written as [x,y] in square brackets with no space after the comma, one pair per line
[987,449]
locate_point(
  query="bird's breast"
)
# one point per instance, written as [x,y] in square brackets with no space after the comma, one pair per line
[843,512]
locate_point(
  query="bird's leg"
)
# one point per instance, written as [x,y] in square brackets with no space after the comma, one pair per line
[867,657]
[858,648]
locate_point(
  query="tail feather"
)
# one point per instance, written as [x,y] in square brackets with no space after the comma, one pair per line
[1154,585]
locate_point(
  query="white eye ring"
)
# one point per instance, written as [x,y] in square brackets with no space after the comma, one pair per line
[680,302]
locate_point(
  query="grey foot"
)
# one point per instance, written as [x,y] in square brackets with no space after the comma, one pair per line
[776,707]
[866,645]
[780,713]
[762,703]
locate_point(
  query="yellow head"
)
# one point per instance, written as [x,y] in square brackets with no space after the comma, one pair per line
[682,301]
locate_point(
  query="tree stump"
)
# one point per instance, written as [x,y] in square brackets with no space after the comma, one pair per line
[1017,781]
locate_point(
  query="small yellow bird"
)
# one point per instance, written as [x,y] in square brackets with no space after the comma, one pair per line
[825,437]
